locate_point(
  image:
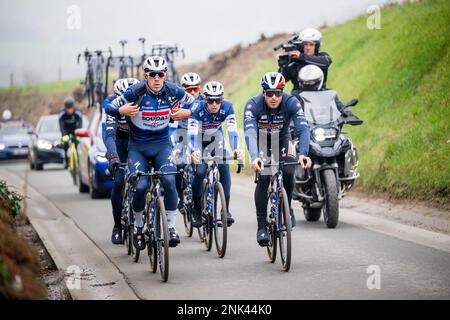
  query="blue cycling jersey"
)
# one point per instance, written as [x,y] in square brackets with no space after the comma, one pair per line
[204,122]
[151,123]
[113,128]
[258,118]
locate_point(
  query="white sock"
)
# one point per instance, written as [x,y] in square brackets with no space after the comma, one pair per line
[171,214]
[138,219]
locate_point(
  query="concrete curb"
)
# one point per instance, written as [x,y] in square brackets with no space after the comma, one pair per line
[90,275]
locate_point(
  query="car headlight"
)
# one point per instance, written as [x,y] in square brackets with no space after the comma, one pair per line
[44,144]
[2,146]
[321,134]
[100,157]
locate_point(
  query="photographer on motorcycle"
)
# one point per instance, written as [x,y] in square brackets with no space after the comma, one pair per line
[307,53]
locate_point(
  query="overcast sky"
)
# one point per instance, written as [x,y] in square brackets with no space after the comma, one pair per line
[35,38]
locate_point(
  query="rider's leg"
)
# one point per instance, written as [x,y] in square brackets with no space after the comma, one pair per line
[138,161]
[119,178]
[163,162]
[262,236]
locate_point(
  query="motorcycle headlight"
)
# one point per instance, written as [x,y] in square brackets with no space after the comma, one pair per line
[321,134]
[100,157]
[2,146]
[44,144]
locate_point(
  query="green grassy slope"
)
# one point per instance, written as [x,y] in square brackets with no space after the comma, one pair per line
[401,76]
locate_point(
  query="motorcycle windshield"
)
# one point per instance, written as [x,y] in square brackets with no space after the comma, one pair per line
[320,107]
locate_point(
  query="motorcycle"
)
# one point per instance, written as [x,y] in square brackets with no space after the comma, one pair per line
[334,157]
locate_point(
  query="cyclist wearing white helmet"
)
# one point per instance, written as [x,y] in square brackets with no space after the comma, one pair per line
[266,119]
[191,83]
[149,106]
[205,130]
[309,42]
[115,132]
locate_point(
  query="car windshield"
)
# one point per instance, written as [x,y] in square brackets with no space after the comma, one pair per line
[14,128]
[48,125]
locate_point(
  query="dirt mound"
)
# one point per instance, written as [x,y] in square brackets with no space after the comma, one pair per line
[230,65]
[31,105]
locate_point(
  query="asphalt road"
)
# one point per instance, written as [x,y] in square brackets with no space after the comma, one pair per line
[326,264]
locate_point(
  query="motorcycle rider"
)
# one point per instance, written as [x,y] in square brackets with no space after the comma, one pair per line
[70,119]
[116,131]
[149,105]
[267,117]
[309,42]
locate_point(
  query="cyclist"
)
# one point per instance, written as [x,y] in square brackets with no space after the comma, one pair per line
[115,131]
[205,130]
[149,105]
[70,119]
[307,53]
[266,120]
[191,83]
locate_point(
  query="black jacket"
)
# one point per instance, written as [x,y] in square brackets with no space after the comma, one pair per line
[68,123]
[290,68]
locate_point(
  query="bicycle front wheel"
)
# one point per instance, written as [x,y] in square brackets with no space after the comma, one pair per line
[220,220]
[272,247]
[162,238]
[284,230]
[208,225]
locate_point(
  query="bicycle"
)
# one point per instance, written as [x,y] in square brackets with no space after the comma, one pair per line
[73,157]
[187,204]
[279,227]
[212,193]
[157,232]
[93,87]
[123,67]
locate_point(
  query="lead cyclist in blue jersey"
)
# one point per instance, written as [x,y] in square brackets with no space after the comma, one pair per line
[149,106]
[205,130]
[116,132]
[266,127]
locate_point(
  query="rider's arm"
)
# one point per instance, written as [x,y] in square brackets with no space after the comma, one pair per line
[109,129]
[301,126]
[250,129]
[193,129]
[79,122]
[132,94]
[62,124]
[230,121]
[323,59]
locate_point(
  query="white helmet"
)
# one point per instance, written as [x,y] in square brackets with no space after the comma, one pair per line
[273,80]
[311,73]
[6,115]
[155,63]
[190,79]
[213,89]
[311,35]
[121,85]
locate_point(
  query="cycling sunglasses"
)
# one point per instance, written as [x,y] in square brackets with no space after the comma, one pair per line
[216,101]
[153,74]
[271,92]
[192,89]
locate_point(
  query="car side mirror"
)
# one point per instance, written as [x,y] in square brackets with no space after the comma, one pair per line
[30,131]
[82,133]
[353,102]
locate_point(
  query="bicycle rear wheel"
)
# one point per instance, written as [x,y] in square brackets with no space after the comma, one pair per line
[272,247]
[162,237]
[284,230]
[220,220]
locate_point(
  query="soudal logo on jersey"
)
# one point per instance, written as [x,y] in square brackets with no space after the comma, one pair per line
[157,115]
